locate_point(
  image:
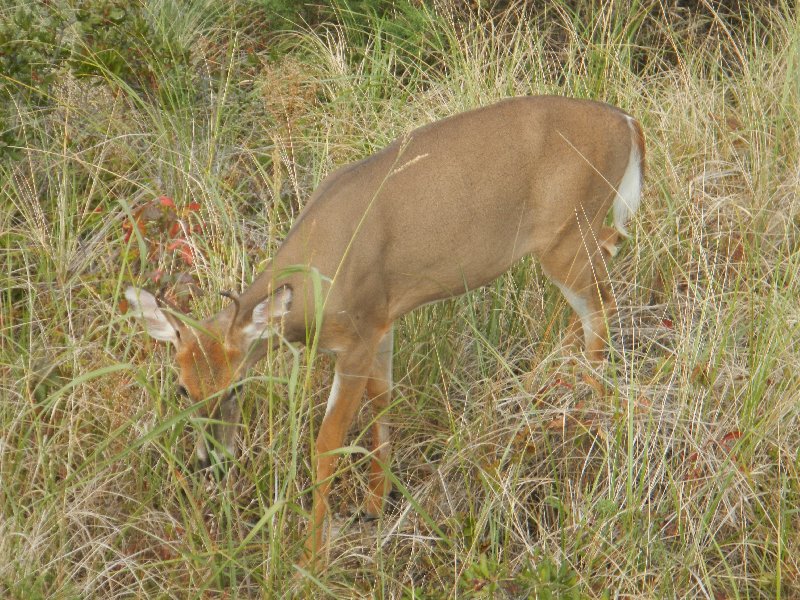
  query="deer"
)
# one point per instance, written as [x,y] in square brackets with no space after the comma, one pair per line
[442,210]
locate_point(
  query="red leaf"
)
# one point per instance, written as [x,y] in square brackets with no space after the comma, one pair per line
[562,383]
[557,382]
[186,254]
[175,229]
[185,250]
[193,206]
[166,201]
[731,435]
[667,323]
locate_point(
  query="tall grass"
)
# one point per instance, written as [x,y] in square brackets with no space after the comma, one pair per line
[523,471]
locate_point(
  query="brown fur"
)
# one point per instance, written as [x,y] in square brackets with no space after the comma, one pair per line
[206,366]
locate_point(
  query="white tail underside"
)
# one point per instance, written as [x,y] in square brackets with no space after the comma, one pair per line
[626,202]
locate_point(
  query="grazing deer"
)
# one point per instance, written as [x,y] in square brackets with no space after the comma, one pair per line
[443,210]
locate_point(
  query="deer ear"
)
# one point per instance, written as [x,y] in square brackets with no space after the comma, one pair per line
[266,313]
[143,305]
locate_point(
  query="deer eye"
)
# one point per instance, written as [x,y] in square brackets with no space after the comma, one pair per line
[182,392]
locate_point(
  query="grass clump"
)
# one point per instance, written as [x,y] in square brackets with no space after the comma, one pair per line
[184,165]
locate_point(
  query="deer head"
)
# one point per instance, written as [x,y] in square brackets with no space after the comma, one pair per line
[212,357]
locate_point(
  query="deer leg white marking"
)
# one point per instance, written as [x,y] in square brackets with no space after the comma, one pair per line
[337,384]
[580,306]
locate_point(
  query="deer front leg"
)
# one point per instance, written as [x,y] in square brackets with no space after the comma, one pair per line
[379,389]
[343,402]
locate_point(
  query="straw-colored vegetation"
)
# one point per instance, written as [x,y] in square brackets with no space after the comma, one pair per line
[171,144]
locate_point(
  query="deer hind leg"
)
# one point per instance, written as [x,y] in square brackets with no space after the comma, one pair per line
[379,389]
[574,332]
[351,376]
[582,280]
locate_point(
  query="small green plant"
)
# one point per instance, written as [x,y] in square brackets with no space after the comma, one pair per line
[129,42]
[31,56]
[31,49]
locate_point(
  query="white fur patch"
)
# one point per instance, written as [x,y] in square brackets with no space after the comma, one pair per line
[381,446]
[143,305]
[273,307]
[200,449]
[265,313]
[253,333]
[628,197]
[581,308]
[337,384]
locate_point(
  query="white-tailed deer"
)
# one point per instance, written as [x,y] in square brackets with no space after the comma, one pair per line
[443,210]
